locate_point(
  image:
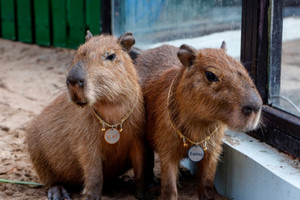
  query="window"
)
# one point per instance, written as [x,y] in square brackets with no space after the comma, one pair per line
[262,33]
[200,23]
[262,23]
[285,92]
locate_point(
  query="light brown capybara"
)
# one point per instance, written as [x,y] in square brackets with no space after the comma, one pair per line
[191,97]
[71,142]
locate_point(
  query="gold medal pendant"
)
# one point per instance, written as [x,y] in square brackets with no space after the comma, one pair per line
[112,135]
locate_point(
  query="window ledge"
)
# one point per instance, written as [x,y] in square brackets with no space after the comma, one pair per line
[250,169]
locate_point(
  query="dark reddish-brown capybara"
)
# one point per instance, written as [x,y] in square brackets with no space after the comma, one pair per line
[191,97]
[95,130]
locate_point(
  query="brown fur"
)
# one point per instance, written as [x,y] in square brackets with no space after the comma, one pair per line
[197,106]
[65,141]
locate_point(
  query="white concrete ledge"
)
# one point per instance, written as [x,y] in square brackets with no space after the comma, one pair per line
[251,170]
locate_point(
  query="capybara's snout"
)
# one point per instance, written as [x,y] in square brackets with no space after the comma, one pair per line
[76,83]
[253,104]
[251,110]
[76,76]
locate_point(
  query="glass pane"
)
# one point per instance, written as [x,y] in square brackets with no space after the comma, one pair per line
[199,23]
[288,95]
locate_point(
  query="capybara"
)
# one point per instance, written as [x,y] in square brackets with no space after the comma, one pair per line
[93,131]
[191,97]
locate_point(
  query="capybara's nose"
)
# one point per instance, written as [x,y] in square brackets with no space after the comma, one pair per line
[76,76]
[253,105]
[249,109]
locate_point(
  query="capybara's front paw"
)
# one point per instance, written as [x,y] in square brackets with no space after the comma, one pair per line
[210,193]
[92,196]
[139,195]
[58,193]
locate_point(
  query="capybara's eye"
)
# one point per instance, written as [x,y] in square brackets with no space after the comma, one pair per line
[111,57]
[211,77]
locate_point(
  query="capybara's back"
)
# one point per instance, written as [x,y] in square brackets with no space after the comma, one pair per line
[48,141]
[153,62]
[94,130]
[191,97]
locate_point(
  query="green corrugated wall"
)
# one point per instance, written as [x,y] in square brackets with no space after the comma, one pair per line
[60,23]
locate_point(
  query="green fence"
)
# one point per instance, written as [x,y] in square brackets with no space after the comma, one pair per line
[61,23]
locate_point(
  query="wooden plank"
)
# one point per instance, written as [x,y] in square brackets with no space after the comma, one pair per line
[8,22]
[93,16]
[24,22]
[0,21]
[42,24]
[59,22]
[106,16]
[76,22]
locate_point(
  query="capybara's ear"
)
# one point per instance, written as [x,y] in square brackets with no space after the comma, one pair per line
[126,41]
[186,55]
[223,46]
[88,35]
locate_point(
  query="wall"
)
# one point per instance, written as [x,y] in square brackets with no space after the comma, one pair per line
[61,23]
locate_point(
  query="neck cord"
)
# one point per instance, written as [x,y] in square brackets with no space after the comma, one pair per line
[103,123]
[185,139]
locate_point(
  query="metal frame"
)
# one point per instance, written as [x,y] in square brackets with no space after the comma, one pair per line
[254,44]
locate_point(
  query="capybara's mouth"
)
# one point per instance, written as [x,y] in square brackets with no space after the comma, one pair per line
[78,99]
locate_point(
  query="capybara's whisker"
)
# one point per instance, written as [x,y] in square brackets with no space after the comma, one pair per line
[59,90]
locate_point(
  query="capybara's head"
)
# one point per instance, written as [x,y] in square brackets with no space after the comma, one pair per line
[102,70]
[217,87]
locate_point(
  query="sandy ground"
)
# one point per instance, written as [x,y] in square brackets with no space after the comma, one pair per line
[30,78]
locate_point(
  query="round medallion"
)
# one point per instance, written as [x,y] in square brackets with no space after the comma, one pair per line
[195,153]
[112,136]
